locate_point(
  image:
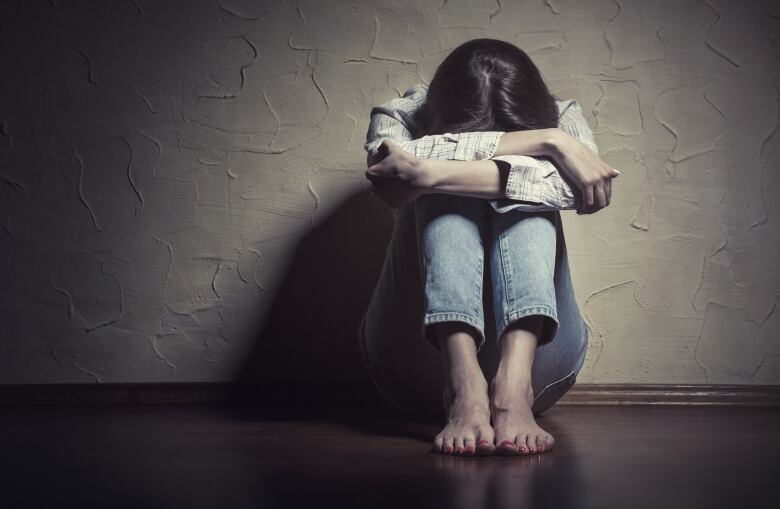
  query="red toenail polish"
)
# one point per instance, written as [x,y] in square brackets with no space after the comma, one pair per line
[483,442]
[506,442]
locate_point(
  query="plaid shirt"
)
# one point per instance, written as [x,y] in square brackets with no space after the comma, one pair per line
[534,183]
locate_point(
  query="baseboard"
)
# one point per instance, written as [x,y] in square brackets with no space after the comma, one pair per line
[190,393]
[672,394]
[351,394]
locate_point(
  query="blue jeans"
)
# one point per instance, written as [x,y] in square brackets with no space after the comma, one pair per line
[454,233]
[435,269]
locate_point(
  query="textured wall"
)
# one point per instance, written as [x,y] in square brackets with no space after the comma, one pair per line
[182,193]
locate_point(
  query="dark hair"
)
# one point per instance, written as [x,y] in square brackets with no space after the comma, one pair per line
[486,85]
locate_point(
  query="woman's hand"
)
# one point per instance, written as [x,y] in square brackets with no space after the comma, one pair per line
[590,173]
[400,177]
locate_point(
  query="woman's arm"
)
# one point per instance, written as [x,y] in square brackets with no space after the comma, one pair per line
[528,182]
[393,120]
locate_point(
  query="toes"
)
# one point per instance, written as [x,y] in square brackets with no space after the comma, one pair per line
[458,444]
[548,442]
[506,448]
[485,445]
[438,443]
[540,443]
[531,441]
[545,443]
[469,445]
[448,445]
[522,446]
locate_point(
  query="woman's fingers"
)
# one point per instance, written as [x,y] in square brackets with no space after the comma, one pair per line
[595,197]
[584,206]
[588,195]
[378,169]
[380,180]
[599,195]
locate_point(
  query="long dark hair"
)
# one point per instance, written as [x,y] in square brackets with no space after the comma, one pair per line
[486,85]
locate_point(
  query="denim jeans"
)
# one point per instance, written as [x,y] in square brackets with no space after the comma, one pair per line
[443,251]
[454,233]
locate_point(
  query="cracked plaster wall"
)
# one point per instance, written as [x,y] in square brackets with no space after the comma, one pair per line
[158,160]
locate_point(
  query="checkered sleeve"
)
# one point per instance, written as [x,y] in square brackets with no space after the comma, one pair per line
[393,120]
[534,183]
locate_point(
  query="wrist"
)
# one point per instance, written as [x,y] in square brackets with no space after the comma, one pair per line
[554,142]
[430,175]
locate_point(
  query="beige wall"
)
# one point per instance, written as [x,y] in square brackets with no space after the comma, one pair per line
[163,166]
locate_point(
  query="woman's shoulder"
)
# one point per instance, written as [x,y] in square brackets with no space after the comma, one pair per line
[418,89]
[568,108]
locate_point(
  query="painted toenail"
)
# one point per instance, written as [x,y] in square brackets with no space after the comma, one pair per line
[507,442]
[483,442]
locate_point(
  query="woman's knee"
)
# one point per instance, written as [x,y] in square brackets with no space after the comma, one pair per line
[441,211]
[527,247]
[454,230]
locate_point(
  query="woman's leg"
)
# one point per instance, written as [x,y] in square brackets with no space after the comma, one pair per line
[522,266]
[451,230]
[406,370]
[557,361]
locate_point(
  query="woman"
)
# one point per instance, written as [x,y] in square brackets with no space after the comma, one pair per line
[476,168]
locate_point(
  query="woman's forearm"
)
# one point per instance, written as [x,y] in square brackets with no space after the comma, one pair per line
[481,179]
[533,142]
[487,178]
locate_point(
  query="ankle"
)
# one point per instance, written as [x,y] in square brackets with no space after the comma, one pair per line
[503,399]
[466,382]
[514,375]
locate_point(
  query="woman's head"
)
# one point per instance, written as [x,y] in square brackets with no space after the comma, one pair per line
[486,85]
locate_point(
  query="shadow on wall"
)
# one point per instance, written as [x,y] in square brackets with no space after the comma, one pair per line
[310,335]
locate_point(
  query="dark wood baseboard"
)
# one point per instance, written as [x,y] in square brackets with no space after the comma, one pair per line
[672,394]
[351,394]
[189,393]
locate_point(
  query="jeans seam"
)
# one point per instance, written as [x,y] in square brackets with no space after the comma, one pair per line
[503,268]
[556,382]
[551,384]
[480,278]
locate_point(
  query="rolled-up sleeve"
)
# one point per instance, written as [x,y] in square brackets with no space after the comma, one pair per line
[534,182]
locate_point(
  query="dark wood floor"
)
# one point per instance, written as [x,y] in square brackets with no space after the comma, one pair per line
[245,456]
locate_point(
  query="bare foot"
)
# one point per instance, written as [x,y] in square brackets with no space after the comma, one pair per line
[514,424]
[468,431]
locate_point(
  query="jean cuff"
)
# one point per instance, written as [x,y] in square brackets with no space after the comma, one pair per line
[544,310]
[449,316]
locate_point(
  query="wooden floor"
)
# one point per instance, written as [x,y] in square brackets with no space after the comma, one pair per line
[243,456]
